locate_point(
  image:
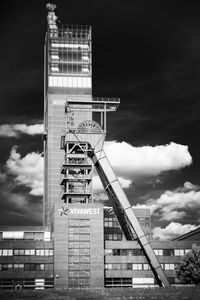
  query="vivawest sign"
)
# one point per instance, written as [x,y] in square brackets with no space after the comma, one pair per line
[79,211]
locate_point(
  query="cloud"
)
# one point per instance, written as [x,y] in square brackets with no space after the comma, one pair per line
[27,170]
[129,162]
[13,130]
[175,205]
[172,230]
[99,194]
[97,185]
[188,186]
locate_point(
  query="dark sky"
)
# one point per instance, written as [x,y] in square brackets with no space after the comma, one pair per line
[145,52]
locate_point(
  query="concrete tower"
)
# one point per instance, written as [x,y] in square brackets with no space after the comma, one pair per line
[67,76]
[77,234]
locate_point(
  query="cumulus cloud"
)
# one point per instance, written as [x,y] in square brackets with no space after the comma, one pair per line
[99,194]
[188,186]
[174,205]
[172,230]
[97,185]
[13,130]
[28,170]
[129,161]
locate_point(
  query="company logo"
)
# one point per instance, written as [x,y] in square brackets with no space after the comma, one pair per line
[63,211]
[79,211]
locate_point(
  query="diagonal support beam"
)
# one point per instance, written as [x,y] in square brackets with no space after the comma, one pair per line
[125,214]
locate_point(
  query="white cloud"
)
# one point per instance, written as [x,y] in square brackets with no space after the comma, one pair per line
[13,130]
[97,185]
[188,186]
[28,170]
[173,205]
[101,196]
[172,230]
[129,162]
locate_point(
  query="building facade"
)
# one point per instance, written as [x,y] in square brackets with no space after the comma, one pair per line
[82,243]
[30,258]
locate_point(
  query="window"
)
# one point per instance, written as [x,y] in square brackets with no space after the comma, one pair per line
[144,280]
[113,237]
[158,251]
[73,237]
[34,267]
[169,266]
[40,252]
[84,245]
[74,252]
[7,252]
[84,222]
[129,252]
[48,252]
[7,267]
[84,267]
[29,251]
[137,267]
[74,229]
[73,244]
[84,237]
[108,251]
[48,267]
[84,230]
[73,222]
[73,258]
[116,252]
[168,252]
[73,266]
[84,259]
[73,273]
[137,252]
[179,252]
[187,250]
[124,252]
[114,282]
[111,222]
[124,266]
[117,266]
[146,267]
[19,251]
[108,266]
[18,266]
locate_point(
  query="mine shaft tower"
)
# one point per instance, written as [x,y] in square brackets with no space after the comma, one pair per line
[75,126]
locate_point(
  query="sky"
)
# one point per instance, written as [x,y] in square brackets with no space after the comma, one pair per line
[145,52]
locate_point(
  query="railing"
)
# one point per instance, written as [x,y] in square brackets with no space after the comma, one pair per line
[77,176]
[106,99]
[75,161]
[76,191]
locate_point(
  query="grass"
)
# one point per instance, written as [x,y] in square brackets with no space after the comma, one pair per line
[183,293]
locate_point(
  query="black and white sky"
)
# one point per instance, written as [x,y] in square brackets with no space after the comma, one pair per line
[145,52]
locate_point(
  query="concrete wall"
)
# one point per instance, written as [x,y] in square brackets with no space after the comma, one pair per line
[64,254]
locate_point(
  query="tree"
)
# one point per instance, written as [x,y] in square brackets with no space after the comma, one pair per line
[189,269]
